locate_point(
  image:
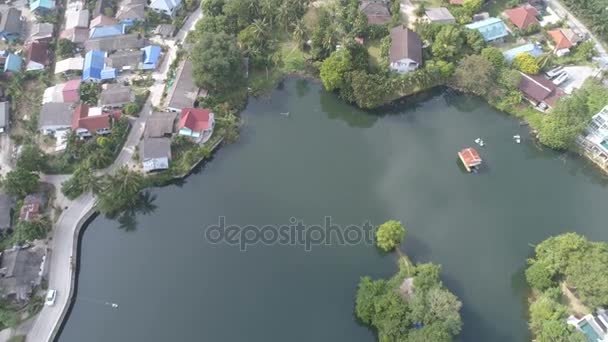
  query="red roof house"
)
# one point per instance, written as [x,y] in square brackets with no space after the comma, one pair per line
[539,90]
[560,40]
[37,56]
[85,124]
[70,91]
[196,123]
[523,16]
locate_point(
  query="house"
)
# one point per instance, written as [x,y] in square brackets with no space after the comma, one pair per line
[492,29]
[196,123]
[12,63]
[10,24]
[125,60]
[76,17]
[405,53]
[563,40]
[131,10]
[115,95]
[594,327]
[597,132]
[439,15]
[102,20]
[42,6]
[37,56]
[531,48]
[77,35]
[124,42]
[164,30]
[103,7]
[67,92]
[88,121]
[151,57]
[32,207]
[41,32]
[6,212]
[5,114]
[523,16]
[95,68]
[155,153]
[55,116]
[69,65]
[376,11]
[539,91]
[160,124]
[183,93]
[107,31]
[167,7]
[21,272]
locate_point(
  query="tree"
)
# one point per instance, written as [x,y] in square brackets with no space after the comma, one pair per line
[558,331]
[367,294]
[32,159]
[420,10]
[369,90]
[300,34]
[30,230]
[475,74]
[427,277]
[389,235]
[509,78]
[567,120]
[444,307]
[21,182]
[89,93]
[526,63]
[65,48]
[333,69]
[494,55]
[474,41]
[217,62]
[131,108]
[120,192]
[539,275]
[324,37]
[448,43]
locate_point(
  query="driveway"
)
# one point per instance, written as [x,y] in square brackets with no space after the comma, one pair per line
[576,77]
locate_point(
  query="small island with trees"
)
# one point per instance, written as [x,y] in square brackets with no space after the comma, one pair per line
[413,305]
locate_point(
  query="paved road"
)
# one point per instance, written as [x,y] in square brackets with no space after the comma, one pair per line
[562,11]
[62,244]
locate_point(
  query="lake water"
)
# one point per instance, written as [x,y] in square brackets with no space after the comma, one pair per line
[329,159]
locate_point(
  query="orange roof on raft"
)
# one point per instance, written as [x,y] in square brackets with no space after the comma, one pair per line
[470,157]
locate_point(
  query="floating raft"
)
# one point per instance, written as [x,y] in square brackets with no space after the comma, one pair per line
[470,159]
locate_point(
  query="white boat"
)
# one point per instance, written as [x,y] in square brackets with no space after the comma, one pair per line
[479,142]
[517,138]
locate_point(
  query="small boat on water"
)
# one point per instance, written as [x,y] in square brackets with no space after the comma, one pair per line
[470,159]
[517,139]
[285,114]
[479,142]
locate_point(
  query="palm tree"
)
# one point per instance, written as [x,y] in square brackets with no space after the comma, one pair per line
[299,33]
[100,159]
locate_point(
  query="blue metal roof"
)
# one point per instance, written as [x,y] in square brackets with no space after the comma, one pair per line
[94,62]
[107,31]
[42,4]
[490,29]
[108,73]
[13,63]
[151,56]
[533,49]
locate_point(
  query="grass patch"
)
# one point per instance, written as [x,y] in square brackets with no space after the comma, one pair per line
[374,49]
[294,60]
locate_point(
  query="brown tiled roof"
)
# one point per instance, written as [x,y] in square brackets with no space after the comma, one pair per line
[376,11]
[539,89]
[522,16]
[38,52]
[405,43]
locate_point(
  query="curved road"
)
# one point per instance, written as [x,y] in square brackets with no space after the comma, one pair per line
[64,233]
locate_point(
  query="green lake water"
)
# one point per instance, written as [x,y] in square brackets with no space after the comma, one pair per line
[329,159]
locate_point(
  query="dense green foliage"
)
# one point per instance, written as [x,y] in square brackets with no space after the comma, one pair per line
[334,68]
[571,115]
[217,62]
[89,93]
[593,12]
[65,48]
[576,263]
[475,74]
[425,312]
[30,230]
[389,235]
[21,182]
[526,63]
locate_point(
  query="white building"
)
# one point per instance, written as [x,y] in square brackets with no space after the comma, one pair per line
[405,54]
[168,7]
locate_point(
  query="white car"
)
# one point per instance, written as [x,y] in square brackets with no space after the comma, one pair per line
[554,72]
[51,295]
[561,78]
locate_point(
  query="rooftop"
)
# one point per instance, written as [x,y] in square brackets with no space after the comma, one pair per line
[183,92]
[195,119]
[123,42]
[405,43]
[440,14]
[376,11]
[523,16]
[160,124]
[490,29]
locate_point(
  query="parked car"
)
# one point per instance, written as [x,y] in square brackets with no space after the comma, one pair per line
[554,72]
[561,78]
[51,295]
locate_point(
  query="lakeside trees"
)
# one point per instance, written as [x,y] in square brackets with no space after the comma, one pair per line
[565,261]
[217,62]
[411,306]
